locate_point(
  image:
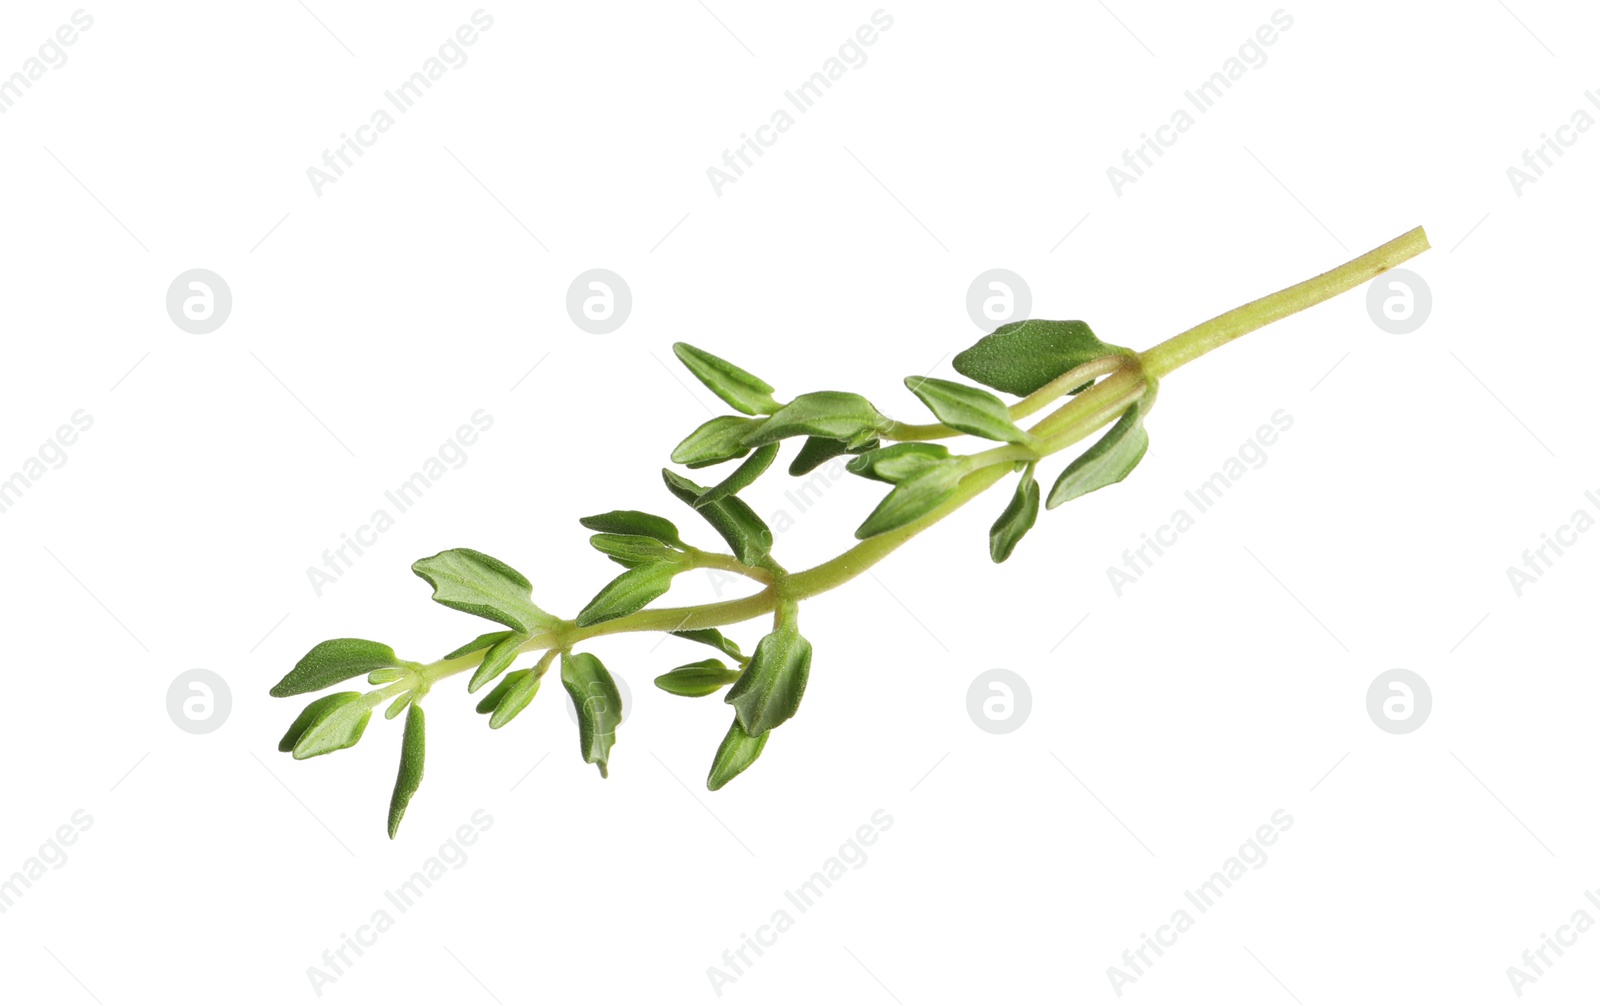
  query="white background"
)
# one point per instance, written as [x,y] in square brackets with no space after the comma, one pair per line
[375,318]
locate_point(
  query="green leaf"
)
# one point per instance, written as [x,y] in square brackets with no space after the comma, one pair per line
[628,593]
[819,450]
[519,694]
[496,660]
[837,415]
[696,680]
[1023,356]
[1018,518]
[497,694]
[914,498]
[599,705]
[746,533]
[385,675]
[412,748]
[714,441]
[739,388]
[470,581]
[633,522]
[969,409]
[739,750]
[479,643]
[897,463]
[333,661]
[337,726]
[630,549]
[712,638]
[1106,463]
[399,704]
[769,691]
[753,467]
[313,713]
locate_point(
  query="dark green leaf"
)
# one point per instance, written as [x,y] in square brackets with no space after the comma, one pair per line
[496,660]
[836,415]
[819,450]
[714,441]
[628,593]
[518,695]
[470,581]
[1106,463]
[630,549]
[897,463]
[336,727]
[599,705]
[746,533]
[480,643]
[712,638]
[412,748]
[492,700]
[333,661]
[696,680]
[752,468]
[312,713]
[1023,356]
[769,690]
[633,522]
[739,388]
[1019,515]
[739,750]
[968,409]
[914,498]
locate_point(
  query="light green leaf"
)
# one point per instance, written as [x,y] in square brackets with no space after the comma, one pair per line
[480,643]
[1106,463]
[837,415]
[412,749]
[497,694]
[399,704]
[896,463]
[314,713]
[712,638]
[968,409]
[630,549]
[599,705]
[714,441]
[747,534]
[819,450]
[628,593]
[752,468]
[470,581]
[769,690]
[519,694]
[738,751]
[497,659]
[739,388]
[1018,518]
[696,680]
[914,498]
[385,675]
[1023,356]
[633,522]
[333,661]
[338,726]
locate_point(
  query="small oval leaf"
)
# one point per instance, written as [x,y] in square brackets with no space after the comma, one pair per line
[753,467]
[628,593]
[739,388]
[714,441]
[471,581]
[747,534]
[336,728]
[333,661]
[1018,518]
[769,691]
[412,749]
[895,464]
[738,751]
[1023,356]
[496,660]
[633,522]
[696,680]
[968,409]
[914,498]
[836,415]
[599,706]
[1115,454]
